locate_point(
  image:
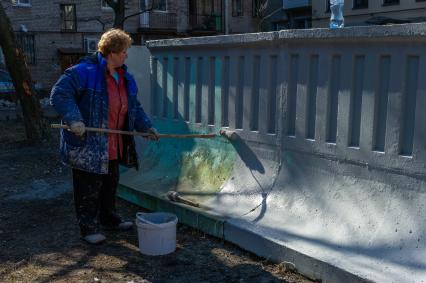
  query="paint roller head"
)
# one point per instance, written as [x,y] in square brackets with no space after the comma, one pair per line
[172,195]
[230,135]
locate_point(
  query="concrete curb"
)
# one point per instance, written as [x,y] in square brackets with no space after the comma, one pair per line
[212,225]
[278,252]
[223,228]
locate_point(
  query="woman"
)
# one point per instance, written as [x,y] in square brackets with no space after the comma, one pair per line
[99,92]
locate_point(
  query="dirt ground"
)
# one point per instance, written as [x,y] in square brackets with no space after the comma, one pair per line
[39,236]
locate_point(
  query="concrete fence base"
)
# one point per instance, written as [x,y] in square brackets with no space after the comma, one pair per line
[329,171]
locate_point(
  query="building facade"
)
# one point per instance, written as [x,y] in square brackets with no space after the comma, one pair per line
[203,17]
[371,12]
[282,14]
[55,34]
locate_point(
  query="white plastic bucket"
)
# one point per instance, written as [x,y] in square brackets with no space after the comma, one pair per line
[156,232]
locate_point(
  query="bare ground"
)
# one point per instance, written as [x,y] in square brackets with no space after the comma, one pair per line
[39,237]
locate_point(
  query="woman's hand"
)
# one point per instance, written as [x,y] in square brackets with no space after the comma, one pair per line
[153,134]
[78,128]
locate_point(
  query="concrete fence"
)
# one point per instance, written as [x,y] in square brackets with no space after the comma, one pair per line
[330,168]
[356,98]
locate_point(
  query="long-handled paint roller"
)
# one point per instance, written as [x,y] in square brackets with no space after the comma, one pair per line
[229,134]
[175,197]
[110,131]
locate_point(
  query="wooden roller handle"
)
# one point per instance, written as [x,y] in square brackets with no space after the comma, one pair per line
[110,131]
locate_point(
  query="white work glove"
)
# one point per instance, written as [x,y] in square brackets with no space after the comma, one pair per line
[153,134]
[78,128]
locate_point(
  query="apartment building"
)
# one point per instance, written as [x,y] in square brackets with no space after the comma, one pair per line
[206,17]
[55,34]
[371,12]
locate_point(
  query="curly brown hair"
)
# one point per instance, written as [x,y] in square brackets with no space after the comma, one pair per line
[114,41]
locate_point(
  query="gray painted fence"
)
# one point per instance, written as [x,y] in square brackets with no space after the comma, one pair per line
[331,165]
[355,95]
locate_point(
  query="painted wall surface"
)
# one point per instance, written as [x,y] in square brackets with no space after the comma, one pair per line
[330,166]
[140,68]
[195,168]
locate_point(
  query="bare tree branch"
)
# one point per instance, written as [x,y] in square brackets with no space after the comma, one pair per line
[263,7]
[98,19]
[7,4]
[119,7]
[138,13]
[260,7]
[267,16]
[112,3]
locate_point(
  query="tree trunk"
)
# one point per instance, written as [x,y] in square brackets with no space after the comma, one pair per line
[119,12]
[119,15]
[35,125]
[119,7]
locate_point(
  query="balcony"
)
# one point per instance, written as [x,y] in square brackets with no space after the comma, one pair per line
[207,24]
[158,21]
[294,4]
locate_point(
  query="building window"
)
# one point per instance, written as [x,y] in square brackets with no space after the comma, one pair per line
[360,4]
[91,45]
[390,2]
[327,6]
[68,17]
[22,3]
[27,44]
[148,5]
[237,8]
[160,5]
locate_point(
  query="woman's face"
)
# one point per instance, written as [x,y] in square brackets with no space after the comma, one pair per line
[117,59]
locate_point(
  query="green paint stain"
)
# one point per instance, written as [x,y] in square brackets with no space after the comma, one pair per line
[196,168]
[204,171]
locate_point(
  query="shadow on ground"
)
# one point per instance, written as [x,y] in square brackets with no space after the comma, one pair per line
[39,238]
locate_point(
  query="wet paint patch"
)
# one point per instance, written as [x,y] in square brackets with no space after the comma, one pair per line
[196,168]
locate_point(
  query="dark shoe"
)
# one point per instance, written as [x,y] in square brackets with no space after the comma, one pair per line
[94,239]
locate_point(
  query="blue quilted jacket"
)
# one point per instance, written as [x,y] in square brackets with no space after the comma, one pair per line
[80,94]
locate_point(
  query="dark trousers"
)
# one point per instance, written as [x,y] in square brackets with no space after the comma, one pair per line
[94,198]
